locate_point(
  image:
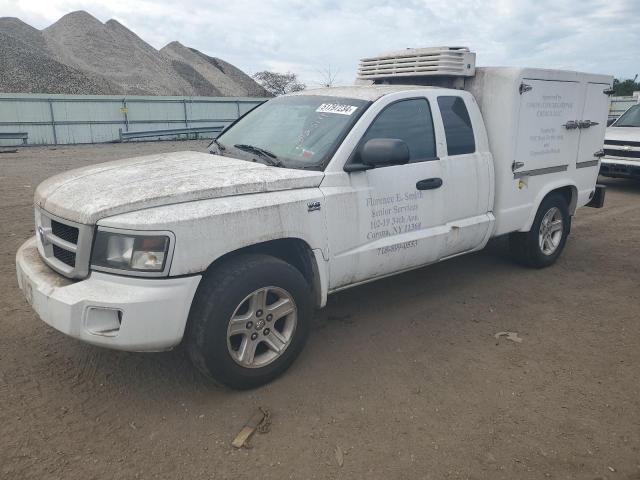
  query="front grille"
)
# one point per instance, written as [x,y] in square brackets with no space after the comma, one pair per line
[622,153]
[623,171]
[65,256]
[64,245]
[65,232]
[622,142]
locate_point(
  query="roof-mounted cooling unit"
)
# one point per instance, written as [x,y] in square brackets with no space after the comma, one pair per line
[419,62]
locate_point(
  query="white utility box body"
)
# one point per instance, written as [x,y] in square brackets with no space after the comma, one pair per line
[545,127]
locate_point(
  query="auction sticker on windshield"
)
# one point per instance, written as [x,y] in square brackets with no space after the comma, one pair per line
[336,108]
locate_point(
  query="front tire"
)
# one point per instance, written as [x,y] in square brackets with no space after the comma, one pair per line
[542,245]
[249,321]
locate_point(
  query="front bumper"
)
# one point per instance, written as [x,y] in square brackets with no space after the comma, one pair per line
[111,311]
[619,168]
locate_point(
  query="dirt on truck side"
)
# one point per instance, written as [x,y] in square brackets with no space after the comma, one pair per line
[401,378]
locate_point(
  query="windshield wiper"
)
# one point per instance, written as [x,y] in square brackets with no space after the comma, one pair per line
[258,150]
[219,145]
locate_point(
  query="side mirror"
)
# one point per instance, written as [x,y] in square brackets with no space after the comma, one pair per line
[380,152]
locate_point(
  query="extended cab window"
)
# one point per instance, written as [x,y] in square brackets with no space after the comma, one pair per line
[410,121]
[457,126]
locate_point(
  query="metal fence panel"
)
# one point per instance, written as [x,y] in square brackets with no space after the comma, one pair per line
[69,119]
[38,134]
[87,111]
[159,111]
[246,106]
[619,105]
[29,112]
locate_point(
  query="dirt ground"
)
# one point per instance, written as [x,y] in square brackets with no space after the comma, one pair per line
[403,376]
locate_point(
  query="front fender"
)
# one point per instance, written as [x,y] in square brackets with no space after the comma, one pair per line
[208,229]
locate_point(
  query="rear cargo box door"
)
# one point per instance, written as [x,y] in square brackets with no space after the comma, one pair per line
[594,123]
[547,108]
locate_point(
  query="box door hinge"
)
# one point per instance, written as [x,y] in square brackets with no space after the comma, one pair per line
[609,91]
[525,88]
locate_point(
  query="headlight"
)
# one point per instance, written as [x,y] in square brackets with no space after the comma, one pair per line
[142,254]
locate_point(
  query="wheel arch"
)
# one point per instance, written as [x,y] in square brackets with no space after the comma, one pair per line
[294,251]
[568,190]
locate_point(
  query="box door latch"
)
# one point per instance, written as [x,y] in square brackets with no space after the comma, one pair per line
[571,125]
[586,124]
[525,88]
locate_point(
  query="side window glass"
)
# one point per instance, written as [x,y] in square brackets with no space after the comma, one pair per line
[457,126]
[410,121]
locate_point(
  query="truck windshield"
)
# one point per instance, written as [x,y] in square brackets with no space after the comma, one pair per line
[299,131]
[630,118]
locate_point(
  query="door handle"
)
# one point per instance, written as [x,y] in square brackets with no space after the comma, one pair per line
[571,125]
[429,184]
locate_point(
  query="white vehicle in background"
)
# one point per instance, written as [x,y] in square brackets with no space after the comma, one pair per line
[622,146]
[308,194]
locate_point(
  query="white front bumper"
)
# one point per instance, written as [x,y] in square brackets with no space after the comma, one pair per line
[151,314]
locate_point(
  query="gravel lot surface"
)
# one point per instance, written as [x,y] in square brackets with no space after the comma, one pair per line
[403,377]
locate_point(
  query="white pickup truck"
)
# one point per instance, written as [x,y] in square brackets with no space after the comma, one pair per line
[308,194]
[622,146]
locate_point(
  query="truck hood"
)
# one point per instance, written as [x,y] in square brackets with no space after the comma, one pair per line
[623,133]
[88,194]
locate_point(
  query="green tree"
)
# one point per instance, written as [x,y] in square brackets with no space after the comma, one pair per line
[625,88]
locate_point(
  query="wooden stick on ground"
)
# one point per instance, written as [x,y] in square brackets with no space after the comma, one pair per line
[249,429]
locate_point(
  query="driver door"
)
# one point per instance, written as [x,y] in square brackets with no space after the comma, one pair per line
[392,218]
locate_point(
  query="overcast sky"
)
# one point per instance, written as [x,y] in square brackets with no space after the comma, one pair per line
[307,36]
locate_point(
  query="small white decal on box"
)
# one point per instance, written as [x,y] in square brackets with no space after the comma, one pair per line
[336,108]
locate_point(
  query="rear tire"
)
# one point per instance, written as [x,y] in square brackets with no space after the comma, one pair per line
[249,321]
[541,246]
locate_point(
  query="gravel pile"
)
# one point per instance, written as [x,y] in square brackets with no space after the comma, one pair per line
[81,55]
[213,72]
[252,88]
[28,67]
[199,84]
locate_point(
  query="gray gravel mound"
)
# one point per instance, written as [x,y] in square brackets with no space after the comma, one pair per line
[23,32]
[231,81]
[114,52]
[252,88]
[81,55]
[198,83]
[177,52]
[24,58]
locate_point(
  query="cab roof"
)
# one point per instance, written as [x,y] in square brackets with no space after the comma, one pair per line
[362,92]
